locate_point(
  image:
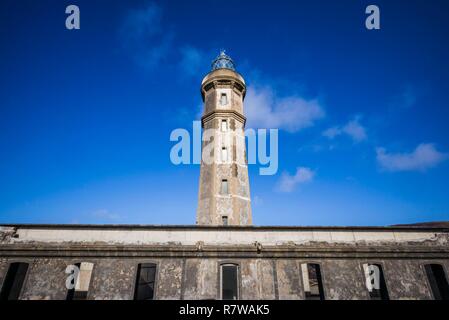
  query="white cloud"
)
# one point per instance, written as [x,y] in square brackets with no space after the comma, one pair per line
[104,214]
[287,182]
[353,129]
[424,156]
[332,132]
[292,113]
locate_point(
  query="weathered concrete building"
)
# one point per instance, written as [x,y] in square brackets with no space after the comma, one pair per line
[223,256]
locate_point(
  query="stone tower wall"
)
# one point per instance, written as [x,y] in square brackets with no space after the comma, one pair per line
[213,204]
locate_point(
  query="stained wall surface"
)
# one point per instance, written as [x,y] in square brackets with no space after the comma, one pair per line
[269,266]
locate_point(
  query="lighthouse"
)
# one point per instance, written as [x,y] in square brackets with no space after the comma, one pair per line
[224,193]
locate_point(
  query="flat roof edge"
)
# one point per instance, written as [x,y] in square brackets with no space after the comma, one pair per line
[227,228]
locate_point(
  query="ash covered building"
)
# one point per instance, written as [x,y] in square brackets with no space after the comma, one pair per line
[223,256]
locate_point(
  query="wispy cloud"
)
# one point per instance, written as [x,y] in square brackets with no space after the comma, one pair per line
[287,183]
[354,129]
[150,42]
[257,200]
[292,113]
[144,37]
[405,99]
[104,214]
[192,60]
[143,22]
[424,156]
[332,132]
[408,97]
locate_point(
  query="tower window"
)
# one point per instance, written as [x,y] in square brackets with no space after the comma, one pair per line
[146,275]
[224,125]
[224,154]
[82,282]
[224,186]
[223,99]
[225,220]
[375,282]
[438,281]
[13,283]
[229,282]
[313,284]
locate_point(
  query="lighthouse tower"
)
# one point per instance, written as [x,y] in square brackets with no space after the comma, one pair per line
[224,197]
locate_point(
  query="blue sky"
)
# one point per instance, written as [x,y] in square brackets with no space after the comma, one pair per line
[86,115]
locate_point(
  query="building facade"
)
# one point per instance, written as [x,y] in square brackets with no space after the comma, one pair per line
[215,262]
[223,256]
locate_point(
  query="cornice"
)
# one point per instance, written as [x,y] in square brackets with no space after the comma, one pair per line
[223,113]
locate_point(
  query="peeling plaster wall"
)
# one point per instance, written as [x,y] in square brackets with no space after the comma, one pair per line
[343,280]
[113,279]
[289,280]
[257,279]
[200,279]
[406,279]
[188,260]
[169,279]
[159,236]
[45,280]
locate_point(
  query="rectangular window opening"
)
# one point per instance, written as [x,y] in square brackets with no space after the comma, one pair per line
[146,277]
[224,154]
[229,282]
[224,125]
[14,280]
[223,99]
[313,285]
[438,281]
[224,186]
[225,220]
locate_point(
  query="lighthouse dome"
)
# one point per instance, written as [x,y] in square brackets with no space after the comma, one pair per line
[223,61]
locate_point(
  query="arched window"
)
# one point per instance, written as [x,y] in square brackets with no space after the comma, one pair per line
[438,281]
[13,282]
[81,281]
[313,284]
[229,283]
[146,278]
